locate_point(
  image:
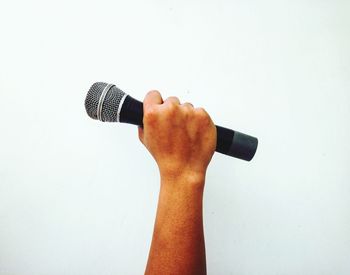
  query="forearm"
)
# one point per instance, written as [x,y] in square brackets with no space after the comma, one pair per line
[178,239]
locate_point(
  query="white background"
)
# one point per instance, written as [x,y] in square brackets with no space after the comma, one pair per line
[78,196]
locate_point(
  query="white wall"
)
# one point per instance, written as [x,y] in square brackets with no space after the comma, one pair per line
[79,197]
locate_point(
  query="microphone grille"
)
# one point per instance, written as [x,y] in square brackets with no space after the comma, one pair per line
[110,105]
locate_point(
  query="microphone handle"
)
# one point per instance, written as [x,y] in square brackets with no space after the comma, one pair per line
[228,142]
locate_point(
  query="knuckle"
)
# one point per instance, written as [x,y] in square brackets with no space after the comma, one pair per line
[152,92]
[188,104]
[202,115]
[150,95]
[201,112]
[171,108]
[188,110]
[172,99]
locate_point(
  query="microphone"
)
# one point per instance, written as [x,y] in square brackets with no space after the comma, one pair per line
[106,102]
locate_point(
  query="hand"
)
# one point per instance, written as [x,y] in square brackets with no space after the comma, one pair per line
[181,138]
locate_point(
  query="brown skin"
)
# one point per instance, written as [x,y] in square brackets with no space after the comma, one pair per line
[182,141]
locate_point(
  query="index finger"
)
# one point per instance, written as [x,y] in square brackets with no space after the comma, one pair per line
[152,98]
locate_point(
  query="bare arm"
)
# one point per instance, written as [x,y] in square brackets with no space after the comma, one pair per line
[182,141]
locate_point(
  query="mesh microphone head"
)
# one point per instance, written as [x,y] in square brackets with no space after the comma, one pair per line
[110,104]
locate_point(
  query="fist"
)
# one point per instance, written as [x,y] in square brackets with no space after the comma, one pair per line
[181,138]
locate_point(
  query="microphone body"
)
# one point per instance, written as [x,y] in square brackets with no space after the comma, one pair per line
[107,103]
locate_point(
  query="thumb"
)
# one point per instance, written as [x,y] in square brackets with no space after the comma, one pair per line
[140,130]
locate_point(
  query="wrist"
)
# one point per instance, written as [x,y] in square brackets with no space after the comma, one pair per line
[184,180]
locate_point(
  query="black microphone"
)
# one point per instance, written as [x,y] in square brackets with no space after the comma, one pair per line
[106,102]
